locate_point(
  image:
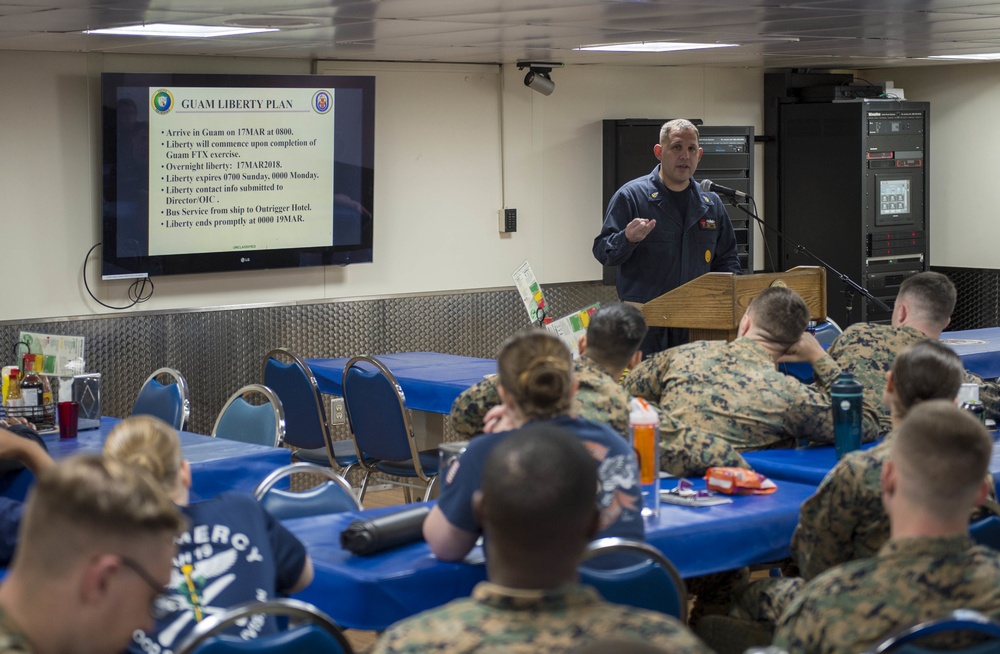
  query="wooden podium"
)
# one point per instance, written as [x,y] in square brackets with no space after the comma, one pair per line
[711,306]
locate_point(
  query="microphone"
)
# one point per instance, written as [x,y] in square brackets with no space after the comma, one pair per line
[709,185]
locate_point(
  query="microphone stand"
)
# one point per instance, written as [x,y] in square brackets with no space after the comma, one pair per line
[851,286]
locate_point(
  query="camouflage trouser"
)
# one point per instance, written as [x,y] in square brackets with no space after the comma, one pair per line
[765,599]
[716,593]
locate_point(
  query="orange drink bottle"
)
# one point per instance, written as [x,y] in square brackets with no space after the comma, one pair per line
[644,428]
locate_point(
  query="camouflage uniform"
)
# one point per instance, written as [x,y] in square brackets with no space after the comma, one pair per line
[843,521]
[989,394]
[852,607]
[12,640]
[868,350]
[764,600]
[599,399]
[469,409]
[734,391]
[685,452]
[499,619]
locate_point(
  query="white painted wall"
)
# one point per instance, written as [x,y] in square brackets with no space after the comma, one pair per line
[554,173]
[437,172]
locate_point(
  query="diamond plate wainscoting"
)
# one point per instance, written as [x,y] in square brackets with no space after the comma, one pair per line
[978,303]
[219,351]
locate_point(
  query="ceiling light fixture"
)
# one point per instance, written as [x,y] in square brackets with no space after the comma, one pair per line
[652,46]
[985,56]
[278,22]
[179,31]
[538,78]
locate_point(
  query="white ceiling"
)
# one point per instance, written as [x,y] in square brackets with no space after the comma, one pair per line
[774,34]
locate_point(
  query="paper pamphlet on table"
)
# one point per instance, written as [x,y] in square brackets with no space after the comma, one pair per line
[570,328]
[685,495]
[693,500]
[531,293]
[63,354]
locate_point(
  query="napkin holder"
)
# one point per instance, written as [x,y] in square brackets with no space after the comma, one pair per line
[87,393]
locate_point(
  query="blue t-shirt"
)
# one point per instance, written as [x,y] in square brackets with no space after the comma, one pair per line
[620,500]
[232,552]
[10,521]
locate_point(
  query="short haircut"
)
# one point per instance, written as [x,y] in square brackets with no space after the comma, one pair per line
[941,454]
[926,370]
[540,485]
[615,333]
[780,314]
[87,502]
[677,125]
[148,443]
[536,372]
[931,294]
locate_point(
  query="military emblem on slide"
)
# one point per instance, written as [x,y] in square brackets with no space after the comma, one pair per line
[322,102]
[163,101]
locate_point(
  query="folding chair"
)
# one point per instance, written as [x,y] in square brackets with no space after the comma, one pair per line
[960,622]
[334,495]
[380,423]
[261,424]
[652,582]
[169,401]
[317,633]
[305,419]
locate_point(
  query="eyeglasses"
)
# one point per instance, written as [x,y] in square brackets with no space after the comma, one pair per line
[161,605]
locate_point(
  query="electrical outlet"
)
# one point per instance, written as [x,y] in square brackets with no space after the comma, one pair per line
[338,414]
[508,220]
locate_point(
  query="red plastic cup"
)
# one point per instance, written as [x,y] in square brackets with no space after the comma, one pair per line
[69,414]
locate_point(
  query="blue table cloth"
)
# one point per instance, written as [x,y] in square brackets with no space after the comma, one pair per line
[430,380]
[217,464]
[809,465]
[753,529]
[979,349]
[373,592]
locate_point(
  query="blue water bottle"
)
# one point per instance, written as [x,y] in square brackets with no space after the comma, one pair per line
[847,395]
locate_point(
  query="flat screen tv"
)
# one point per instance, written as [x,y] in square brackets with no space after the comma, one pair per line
[208,173]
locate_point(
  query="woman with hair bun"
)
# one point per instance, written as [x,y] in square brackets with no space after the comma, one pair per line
[536,386]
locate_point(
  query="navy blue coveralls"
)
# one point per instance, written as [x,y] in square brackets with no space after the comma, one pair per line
[679,249]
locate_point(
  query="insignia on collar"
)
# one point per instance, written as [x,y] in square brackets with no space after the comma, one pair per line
[654,195]
[706,199]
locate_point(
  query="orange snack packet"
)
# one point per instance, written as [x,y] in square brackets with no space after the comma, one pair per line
[738,481]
